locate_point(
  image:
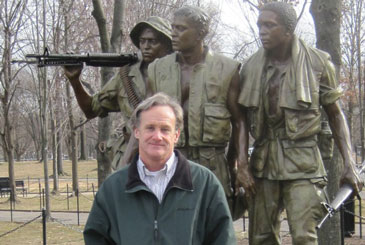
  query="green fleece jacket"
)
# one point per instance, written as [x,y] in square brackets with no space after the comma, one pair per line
[193,210]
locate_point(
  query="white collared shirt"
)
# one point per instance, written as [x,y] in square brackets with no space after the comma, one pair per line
[157,181]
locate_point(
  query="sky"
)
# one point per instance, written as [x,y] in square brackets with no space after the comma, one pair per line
[234,12]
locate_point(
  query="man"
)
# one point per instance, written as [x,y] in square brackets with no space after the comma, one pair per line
[153,38]
[207,86]
[284,85]
[161,197]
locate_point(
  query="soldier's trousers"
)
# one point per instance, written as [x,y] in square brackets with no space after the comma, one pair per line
[300,198]
[214,158]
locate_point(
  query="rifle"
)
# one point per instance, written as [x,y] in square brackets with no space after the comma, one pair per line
[90,59]
[343,193]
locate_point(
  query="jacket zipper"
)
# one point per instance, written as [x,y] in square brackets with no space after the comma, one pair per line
[156,230]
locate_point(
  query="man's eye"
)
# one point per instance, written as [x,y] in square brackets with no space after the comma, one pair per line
[153,41]
[165,130]
[178,28]
[181,28]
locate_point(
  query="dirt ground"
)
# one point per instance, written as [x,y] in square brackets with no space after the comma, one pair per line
[286,240]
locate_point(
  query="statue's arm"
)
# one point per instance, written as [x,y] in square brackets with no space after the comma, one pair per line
[132,147]
[341,135]
[240,137]
[131,151]
[83,98]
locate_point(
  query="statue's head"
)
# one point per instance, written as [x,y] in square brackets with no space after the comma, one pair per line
[196,16]
[153,37]
[285,12]
[160,26]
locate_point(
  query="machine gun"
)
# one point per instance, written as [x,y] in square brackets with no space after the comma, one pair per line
[343,193]
[90,59]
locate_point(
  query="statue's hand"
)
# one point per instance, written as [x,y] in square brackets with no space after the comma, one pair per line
[351,176]
[245,179]
[73,72]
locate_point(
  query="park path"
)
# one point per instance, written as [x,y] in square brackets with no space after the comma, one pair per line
[241,225]
[69,218]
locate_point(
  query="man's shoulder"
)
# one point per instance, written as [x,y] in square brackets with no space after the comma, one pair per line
[223,57]
[119,176]
[166,60]
[220,59]
[254,61]
[199,170]
[321,54]
[318,57]
[135,68]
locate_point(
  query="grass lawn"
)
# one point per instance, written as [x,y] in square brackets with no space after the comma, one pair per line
[32,234]
[57,202]
[32,173]
[34,169]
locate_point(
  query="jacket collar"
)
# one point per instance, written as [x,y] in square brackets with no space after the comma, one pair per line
[181,179]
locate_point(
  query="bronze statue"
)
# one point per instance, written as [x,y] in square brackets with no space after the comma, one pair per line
[284,86]
[153,38]
[207,86]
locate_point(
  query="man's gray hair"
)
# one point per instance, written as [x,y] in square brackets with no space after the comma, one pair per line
[286,13]
[159,99]
[199,18]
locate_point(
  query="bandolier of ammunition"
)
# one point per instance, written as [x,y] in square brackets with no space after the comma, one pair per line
[133,98]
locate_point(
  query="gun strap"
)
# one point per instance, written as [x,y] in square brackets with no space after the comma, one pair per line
[133,98]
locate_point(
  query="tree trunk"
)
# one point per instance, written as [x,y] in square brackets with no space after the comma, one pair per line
[59,150]
[44,122]
[327,19]
[112,45]
[10,155]
[6,102]
[73,144]
[54,152]
[5,154]
[83,154]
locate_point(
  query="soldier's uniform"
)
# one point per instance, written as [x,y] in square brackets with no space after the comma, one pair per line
[209,120]
[286,161]
[113,96]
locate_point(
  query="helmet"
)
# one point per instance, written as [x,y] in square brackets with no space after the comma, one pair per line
[157,23]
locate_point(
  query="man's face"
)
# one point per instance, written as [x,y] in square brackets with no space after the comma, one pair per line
[272,33]
[151,46]
[184,34]
[157,134]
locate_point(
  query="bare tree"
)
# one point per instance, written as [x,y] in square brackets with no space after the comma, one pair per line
[327,19]
[108,44]
[352,37]
[11,19]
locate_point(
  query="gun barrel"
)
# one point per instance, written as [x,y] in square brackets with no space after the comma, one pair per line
[322,221]
[90,59]
[24,61]
[343,193]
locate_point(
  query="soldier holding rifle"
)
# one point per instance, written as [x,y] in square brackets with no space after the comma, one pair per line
[127,87]
[284,85]
[206,84]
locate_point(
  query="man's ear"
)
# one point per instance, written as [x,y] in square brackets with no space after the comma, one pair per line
[201,35]
[136,133]
[177,135]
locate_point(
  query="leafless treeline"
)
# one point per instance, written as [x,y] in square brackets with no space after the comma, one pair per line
[22,28]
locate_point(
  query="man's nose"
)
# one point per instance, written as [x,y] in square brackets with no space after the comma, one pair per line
[145,45]
[173,32]
[157,134]
[262,31]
